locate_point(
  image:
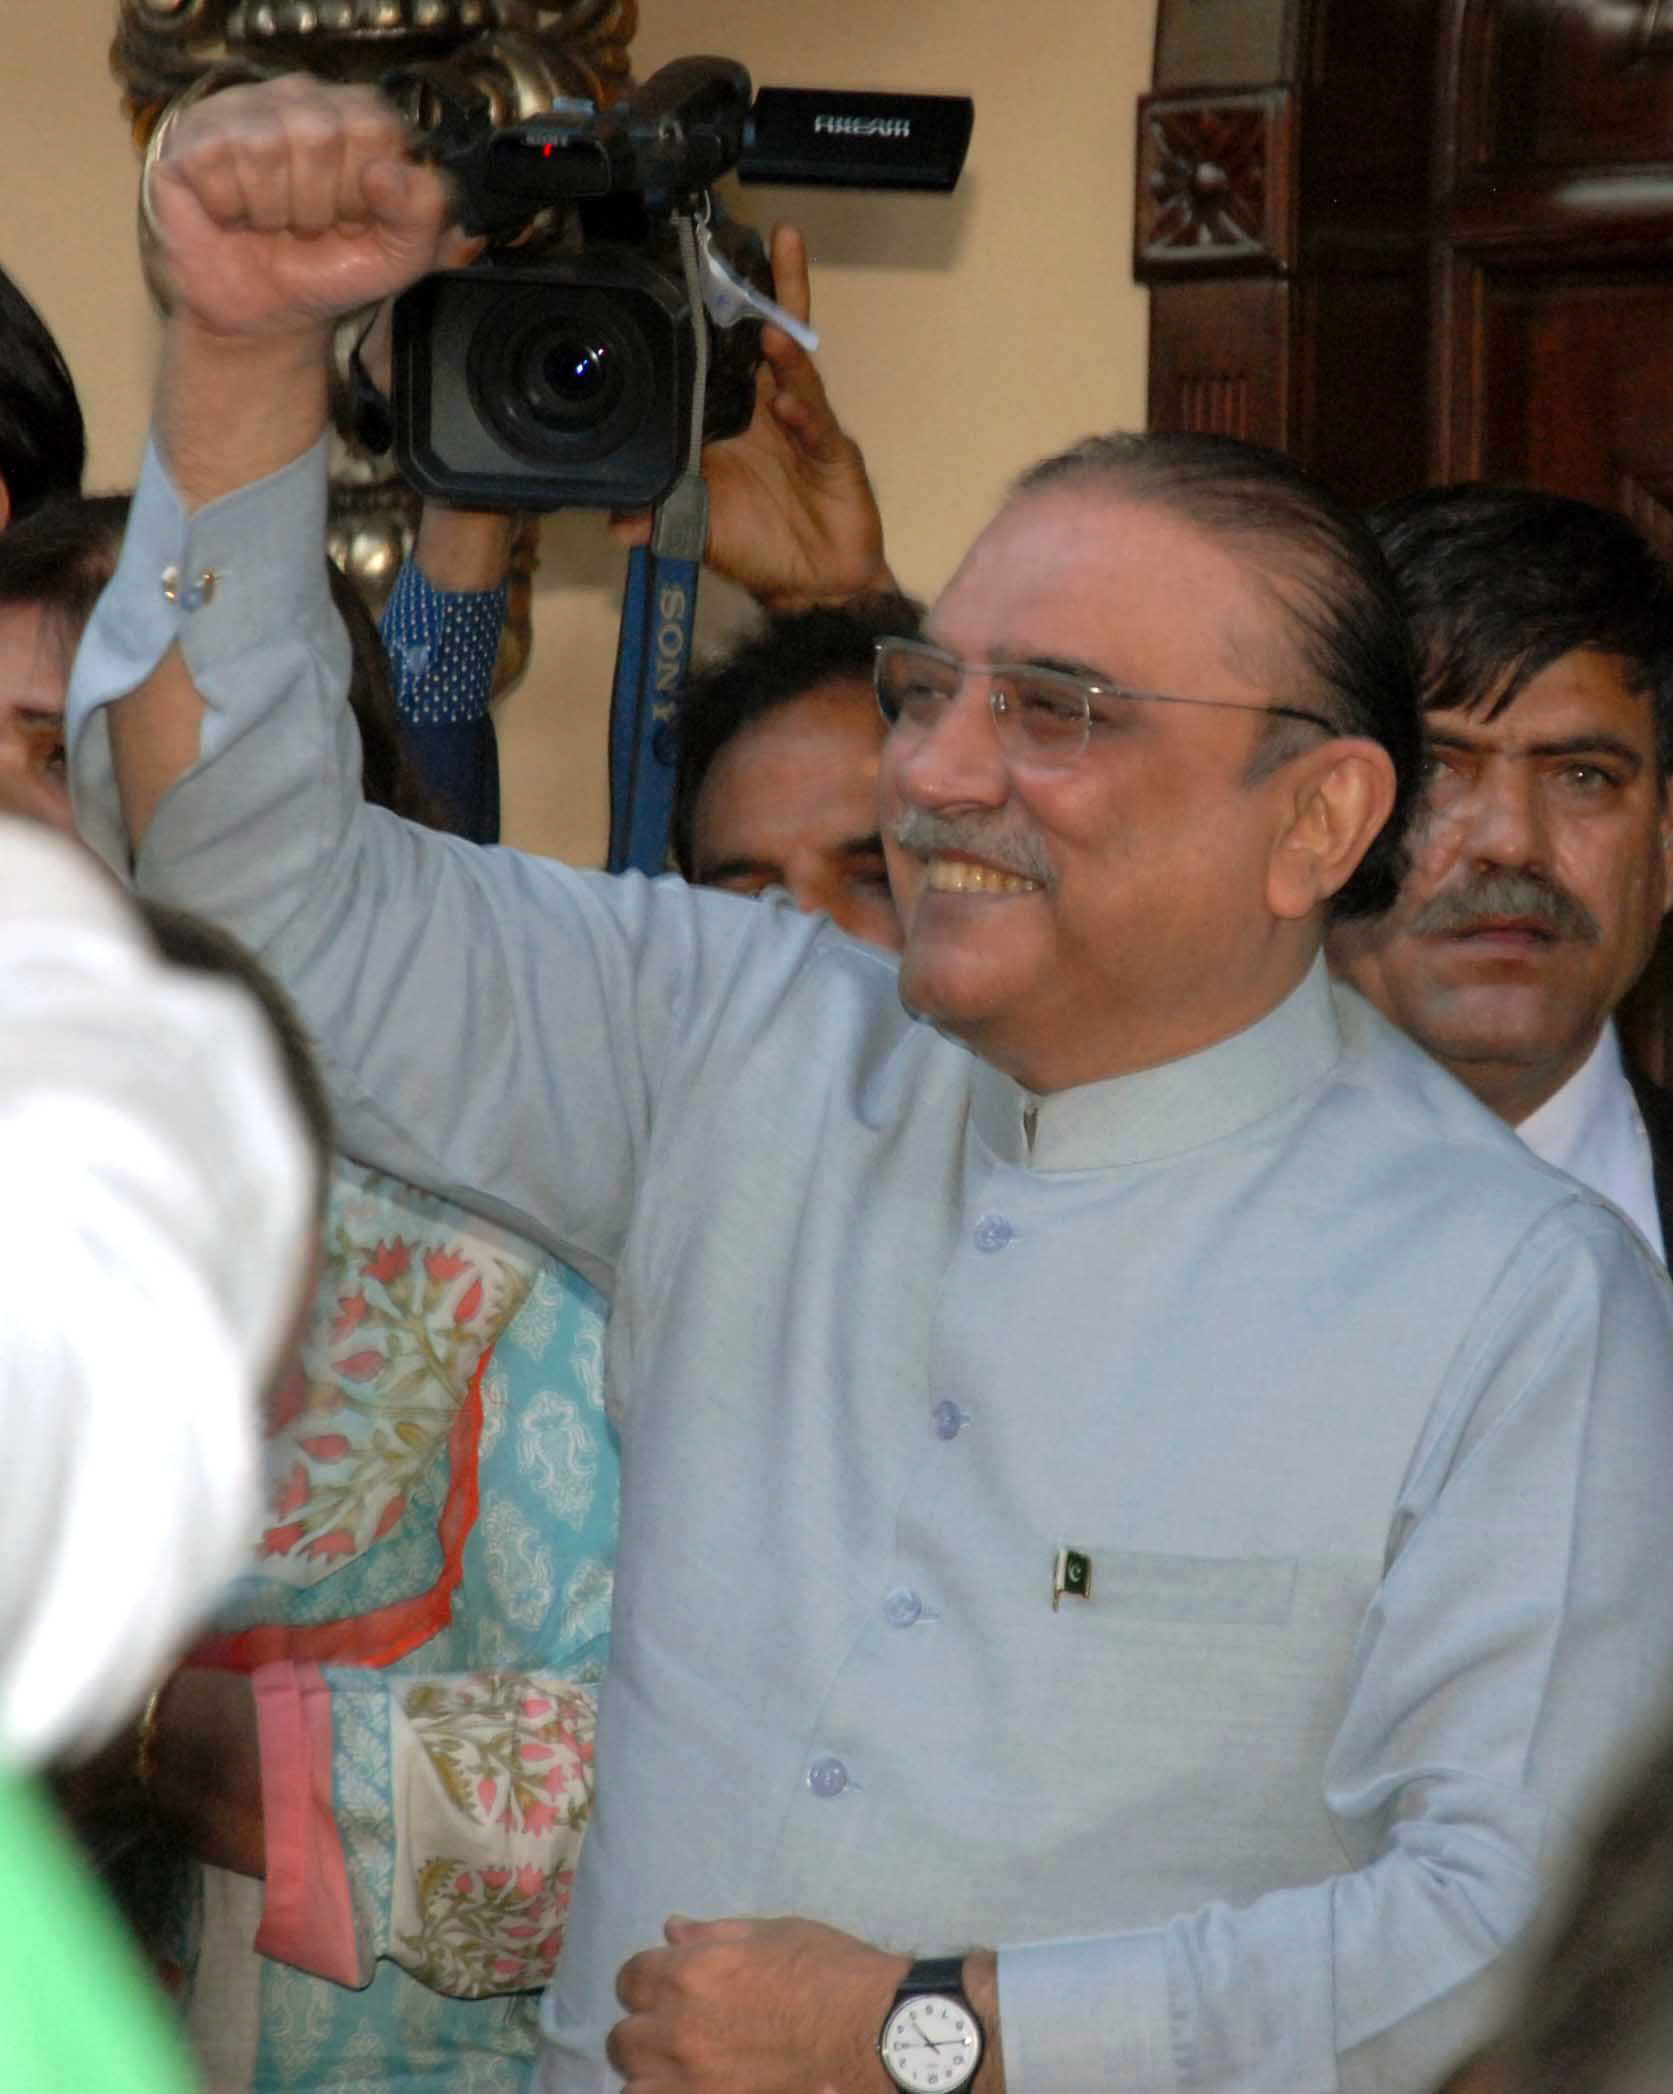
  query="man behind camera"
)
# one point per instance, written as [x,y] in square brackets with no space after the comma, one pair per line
[1132,1482]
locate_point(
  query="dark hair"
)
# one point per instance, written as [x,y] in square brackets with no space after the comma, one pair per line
[43,440]
[1323,565]
[388,776]
[188,941]
[61,555]
[793,654]
[1500,582]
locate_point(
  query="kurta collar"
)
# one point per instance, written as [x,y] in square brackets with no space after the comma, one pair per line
[1178,1105]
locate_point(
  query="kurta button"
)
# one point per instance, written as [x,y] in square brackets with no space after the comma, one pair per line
[902,1606]
[946,1419]
[993,1232]
[827,1777]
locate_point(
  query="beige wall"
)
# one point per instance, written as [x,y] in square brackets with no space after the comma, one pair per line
[963,336]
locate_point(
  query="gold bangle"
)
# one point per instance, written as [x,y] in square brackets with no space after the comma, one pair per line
[145,1756]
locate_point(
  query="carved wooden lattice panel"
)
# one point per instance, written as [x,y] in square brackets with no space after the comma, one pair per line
[1214,187]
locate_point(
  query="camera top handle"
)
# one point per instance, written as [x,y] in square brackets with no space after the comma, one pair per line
[668,141]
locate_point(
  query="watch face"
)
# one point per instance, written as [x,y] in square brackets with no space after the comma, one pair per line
[931,2044]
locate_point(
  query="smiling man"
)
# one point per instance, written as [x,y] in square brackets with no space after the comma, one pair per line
[1540,861]
[1143,1507]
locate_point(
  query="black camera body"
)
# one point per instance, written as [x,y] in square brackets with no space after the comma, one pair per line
[560,383]
[543,380]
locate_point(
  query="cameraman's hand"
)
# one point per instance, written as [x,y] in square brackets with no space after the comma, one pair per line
[282,205]
[792,515]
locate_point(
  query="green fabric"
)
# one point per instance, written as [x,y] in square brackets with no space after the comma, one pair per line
[76,2011]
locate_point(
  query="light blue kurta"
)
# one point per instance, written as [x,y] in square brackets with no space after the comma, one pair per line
[1361,1414]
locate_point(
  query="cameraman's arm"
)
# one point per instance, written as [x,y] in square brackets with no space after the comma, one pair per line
[441,628]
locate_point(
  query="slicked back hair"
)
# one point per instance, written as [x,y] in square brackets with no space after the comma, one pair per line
[1500,582]
[1353,652]
[793,654]
[43,442]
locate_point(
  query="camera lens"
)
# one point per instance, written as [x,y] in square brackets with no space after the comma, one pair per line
[569,376]
[562,374]
[577,369]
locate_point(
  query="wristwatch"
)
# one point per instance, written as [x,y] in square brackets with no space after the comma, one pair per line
[931,2041]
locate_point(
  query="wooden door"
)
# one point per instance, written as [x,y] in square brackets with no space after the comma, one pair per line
[1413,241]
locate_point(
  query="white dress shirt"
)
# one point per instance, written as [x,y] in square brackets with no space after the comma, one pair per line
[1360,1413]
[1592,1129]
[157,1192]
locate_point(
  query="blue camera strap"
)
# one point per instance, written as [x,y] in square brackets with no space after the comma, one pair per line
[659,610]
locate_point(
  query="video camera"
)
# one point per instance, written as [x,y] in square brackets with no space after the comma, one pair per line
[542,380]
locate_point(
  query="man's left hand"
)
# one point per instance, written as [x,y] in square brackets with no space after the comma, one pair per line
[738,2006]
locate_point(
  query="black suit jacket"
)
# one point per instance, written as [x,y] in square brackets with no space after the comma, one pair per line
[1657,1107]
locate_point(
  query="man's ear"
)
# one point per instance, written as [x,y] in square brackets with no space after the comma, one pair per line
[1335,800]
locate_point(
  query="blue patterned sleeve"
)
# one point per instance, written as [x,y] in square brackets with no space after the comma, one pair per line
[442,647]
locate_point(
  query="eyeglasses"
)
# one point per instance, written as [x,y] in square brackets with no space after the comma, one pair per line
[1042,717]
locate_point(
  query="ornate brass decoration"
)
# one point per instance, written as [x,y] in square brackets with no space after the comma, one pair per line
[1213,184]
[527,49]
[519,53]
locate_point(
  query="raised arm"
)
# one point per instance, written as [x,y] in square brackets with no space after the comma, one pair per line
[492,1026]
[278,209]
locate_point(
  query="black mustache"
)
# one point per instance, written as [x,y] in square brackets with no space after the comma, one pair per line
[1497,894]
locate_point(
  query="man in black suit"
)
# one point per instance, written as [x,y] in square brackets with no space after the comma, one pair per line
[1543,864]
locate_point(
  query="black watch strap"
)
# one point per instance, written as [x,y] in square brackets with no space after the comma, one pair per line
[933,1974]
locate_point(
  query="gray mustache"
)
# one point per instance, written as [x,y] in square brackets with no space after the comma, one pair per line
[1507,893]
[1010,849]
